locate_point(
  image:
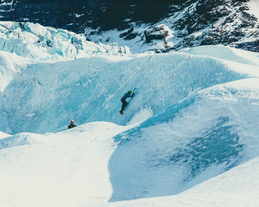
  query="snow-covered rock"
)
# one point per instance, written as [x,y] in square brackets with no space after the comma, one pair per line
[134,23]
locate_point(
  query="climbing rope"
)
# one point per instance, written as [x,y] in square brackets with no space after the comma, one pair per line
[141,68]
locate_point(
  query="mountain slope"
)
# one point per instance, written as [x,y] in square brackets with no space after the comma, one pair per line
[138,25]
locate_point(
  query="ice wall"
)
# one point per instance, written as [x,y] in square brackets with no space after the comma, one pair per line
[47,95]
[192,141]
[7,71]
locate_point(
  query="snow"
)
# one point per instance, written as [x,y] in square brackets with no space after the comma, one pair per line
[45,43]
[254,7]
[134,36]
[140,116]
[188,137]
[3,135]
[11,65]
[63,166]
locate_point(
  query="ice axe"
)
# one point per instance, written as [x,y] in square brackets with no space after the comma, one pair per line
[134,90]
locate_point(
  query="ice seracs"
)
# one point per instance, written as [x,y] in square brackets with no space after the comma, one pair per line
[45,43]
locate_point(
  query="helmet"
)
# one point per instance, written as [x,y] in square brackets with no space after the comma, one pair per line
[72,121]
[129,92]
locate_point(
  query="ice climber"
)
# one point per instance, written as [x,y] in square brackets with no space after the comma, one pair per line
[72,125]
[129,94]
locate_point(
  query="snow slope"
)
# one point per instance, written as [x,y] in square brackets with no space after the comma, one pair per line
[64,169]
[73,168]
[254,7]
[189,132]
[237,187]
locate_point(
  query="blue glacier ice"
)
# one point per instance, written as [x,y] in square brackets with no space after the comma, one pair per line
[193,117]
[45,96]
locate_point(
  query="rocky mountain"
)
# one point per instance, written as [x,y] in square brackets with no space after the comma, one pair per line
[144,25]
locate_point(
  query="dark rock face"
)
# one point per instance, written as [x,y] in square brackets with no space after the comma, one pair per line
[194,22]
[220,22]
[77,14]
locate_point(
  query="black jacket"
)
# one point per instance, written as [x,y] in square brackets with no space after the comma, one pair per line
[71,126]
[126,95]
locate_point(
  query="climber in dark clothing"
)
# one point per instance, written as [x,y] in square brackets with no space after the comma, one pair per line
[72,125]
[129,94]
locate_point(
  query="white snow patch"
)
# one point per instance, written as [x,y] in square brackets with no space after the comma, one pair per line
[3,135]
[30,115]
[254,7]
[141,116]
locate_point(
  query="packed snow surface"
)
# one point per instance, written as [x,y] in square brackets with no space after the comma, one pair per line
[254,7]
[188,137]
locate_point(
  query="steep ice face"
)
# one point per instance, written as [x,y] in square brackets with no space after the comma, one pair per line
[11,65]
[46,96]
[7,71]
[192,141]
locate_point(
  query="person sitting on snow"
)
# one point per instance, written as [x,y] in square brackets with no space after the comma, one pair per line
[124,102]
[72,125]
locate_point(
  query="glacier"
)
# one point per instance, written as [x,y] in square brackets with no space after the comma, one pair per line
[189,132]
[46,43]
[89,89]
